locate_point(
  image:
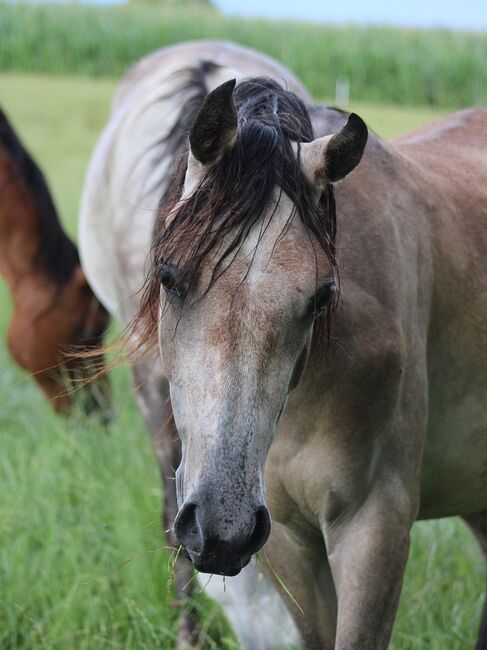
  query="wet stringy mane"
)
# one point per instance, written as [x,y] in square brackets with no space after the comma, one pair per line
[58,254]
[235,193]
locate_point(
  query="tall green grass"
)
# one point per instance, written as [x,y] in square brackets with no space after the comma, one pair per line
[402,66]
[83,561]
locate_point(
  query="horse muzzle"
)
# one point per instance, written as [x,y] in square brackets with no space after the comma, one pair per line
[217,544]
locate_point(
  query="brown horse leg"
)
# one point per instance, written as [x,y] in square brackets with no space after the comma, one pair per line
[478,524]
[299,567]
[152,393]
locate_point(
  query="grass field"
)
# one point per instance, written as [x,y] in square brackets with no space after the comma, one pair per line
[82,560]
[383,64]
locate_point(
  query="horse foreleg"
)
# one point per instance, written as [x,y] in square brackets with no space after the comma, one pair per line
[301,573]
[478,524]
[152,393]
[367,550]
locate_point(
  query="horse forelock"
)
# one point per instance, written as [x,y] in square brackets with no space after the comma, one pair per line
[236,191]
[57,253]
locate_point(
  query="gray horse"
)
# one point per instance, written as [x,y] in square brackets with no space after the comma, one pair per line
[320,299]
[131,167]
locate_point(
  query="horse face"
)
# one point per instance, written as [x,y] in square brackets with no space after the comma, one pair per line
[235,339]
[232,355]
[38,339]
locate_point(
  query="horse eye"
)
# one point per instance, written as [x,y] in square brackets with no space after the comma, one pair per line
[323,297]
[168,277]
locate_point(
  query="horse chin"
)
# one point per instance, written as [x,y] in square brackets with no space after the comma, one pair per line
[215,565]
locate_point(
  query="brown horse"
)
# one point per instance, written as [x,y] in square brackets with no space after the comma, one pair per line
[53,306]
[360,433]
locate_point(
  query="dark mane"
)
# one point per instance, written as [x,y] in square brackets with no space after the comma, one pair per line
[237,189]
[57,253]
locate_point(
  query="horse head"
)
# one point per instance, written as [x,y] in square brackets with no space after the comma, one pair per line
[244,271]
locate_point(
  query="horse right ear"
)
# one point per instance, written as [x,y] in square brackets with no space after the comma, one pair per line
[216,125]
[331,158]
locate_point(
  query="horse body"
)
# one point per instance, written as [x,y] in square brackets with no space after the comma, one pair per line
[405,260]
[449,155]
[53,304]
[391,425]
[385,424]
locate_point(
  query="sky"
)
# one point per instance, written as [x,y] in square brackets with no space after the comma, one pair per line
[459,14]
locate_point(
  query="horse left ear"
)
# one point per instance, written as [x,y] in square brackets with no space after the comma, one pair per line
[215,126]
[331,158]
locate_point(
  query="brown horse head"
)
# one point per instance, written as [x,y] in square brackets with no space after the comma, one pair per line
[54,309]
[246,260]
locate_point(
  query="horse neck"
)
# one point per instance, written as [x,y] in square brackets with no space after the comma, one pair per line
[19,238]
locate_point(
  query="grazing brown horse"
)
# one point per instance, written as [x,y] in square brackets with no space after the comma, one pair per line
[53,306]
[357,434]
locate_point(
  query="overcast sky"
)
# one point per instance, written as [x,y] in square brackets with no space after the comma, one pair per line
[461,14]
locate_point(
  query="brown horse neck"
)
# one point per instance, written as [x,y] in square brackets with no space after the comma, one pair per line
[19,233]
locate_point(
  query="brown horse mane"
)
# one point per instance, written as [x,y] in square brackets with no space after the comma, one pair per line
[235,192]
[57,253]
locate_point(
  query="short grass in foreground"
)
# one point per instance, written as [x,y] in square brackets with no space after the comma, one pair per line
[83,563]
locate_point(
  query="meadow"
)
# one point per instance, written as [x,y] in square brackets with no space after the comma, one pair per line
[83,563]
[400,66]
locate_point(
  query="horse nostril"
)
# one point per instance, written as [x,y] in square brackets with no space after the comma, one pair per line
[188,529]
[260,532]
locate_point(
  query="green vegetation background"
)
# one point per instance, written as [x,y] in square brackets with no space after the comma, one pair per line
[83,563]
[403,66]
